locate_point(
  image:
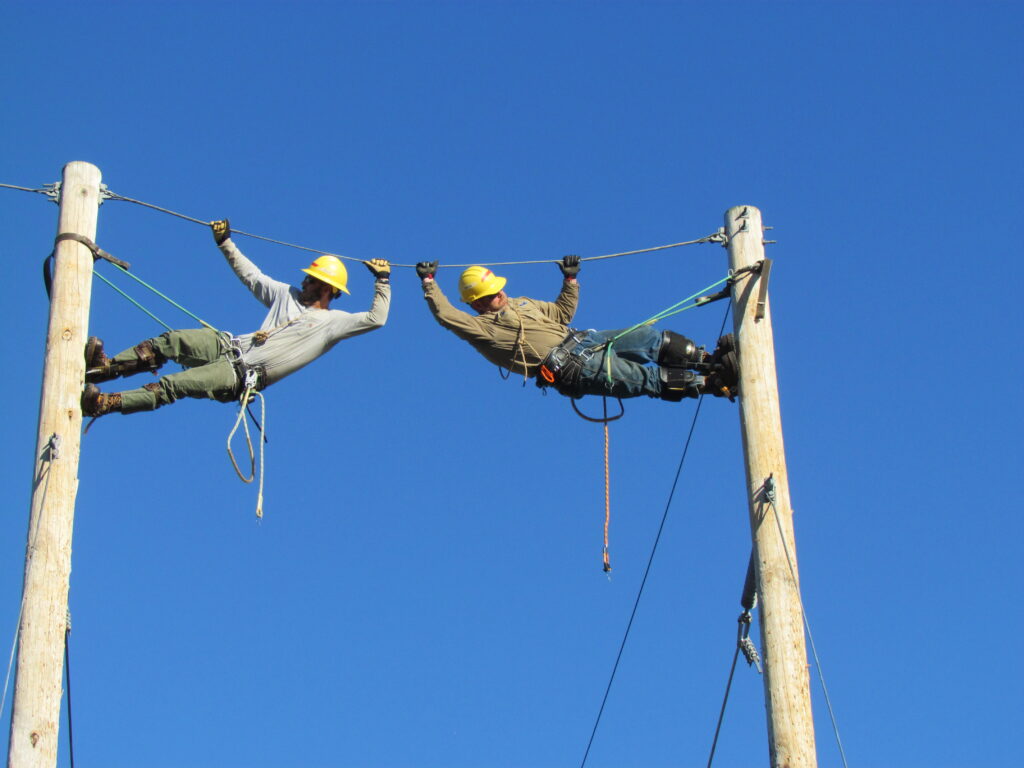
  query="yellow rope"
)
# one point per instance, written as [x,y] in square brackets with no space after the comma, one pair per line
[607,493]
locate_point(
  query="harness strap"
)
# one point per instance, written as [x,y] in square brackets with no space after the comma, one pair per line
[561,366]
[97,252]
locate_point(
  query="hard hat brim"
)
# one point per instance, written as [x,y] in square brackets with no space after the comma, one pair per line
[325,278]
[495,285]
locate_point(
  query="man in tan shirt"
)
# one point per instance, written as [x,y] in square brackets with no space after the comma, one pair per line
[534,338]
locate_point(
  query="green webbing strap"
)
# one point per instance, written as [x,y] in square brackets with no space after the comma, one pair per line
[667,312]
[133,301]
[158,293]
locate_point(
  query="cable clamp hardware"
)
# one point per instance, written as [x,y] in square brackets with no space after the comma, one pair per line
[52,191]
[53,447]
[749,652]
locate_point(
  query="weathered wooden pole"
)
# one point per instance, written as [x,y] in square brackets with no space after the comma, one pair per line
[786,678]
[35,712]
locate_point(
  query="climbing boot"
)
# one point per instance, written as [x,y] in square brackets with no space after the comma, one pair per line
[147,359]
[723,369]
[94,355]
[678,383]
[96,403]
[677,351]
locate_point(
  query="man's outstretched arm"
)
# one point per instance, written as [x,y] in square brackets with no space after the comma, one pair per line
[563,308]
[264,288]
[462,324]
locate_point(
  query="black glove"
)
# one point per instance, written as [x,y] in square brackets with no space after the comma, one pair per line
[570,265]
[380,268]
[221,230]
[426,269]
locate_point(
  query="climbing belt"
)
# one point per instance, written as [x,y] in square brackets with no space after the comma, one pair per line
[243,402]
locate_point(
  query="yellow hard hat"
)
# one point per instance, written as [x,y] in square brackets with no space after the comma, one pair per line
[330,270]
[477,282]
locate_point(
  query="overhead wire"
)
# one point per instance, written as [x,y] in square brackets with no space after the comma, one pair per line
[711,238]
[714,237]
[26,189]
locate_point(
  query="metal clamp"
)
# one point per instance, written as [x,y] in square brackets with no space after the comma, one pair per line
[762,296]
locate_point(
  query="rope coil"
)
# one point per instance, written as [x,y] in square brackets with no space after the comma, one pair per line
[250,392]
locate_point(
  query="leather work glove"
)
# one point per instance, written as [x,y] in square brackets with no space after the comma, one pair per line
[380,268]
[221,230]
[570,265]
[426,269]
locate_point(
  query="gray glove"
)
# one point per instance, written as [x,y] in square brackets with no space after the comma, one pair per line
[426,269]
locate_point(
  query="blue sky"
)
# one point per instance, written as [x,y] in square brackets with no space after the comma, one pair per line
[425,588]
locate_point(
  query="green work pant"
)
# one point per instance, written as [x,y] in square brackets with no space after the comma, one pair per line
[209,372]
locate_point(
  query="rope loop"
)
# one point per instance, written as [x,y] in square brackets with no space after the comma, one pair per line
[603,419]
[250,393]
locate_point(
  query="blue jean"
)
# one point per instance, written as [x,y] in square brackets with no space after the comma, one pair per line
[620,370]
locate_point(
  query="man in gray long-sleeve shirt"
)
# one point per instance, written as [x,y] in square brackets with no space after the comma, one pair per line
[299,327]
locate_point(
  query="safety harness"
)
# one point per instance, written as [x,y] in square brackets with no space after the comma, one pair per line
[562,366]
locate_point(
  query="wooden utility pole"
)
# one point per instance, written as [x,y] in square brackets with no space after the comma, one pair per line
[35,712]
[786,677]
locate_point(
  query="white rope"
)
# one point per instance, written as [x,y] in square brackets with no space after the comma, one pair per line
[250,392]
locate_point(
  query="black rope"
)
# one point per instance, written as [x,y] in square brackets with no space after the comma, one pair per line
[650,562]
[67,675]
[721,714]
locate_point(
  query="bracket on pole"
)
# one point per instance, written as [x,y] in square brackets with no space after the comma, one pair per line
[755,268]
[762,296]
